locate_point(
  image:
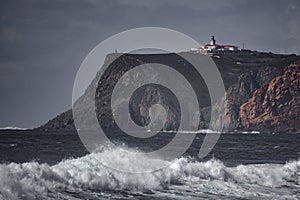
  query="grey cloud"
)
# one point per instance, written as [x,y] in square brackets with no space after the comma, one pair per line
[43,42]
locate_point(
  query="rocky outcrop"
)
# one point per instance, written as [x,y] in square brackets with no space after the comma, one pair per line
[241,91]
[252,100]
[275,106]
[62,122]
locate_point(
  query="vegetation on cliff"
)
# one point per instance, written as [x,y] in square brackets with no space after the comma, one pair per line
[256,92]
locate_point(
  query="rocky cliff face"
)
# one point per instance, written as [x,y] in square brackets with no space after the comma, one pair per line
[62,122]
[260,93]
[241,91]
[276,105]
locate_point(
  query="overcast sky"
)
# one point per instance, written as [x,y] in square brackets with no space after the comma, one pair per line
[43,42]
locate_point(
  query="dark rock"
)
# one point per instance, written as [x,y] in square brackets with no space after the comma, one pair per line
[275,107]
[256,92]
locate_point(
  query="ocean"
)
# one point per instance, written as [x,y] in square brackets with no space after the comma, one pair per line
[39,165]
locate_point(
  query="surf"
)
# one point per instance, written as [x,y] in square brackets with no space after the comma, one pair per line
[87,174]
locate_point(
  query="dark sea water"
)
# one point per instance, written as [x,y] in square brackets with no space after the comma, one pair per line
[37,165]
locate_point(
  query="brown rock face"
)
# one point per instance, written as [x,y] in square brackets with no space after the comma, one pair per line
[261,94]
[276,106]
[242,91]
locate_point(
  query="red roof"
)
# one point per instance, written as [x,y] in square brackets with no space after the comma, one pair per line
[217,45]
[212,45]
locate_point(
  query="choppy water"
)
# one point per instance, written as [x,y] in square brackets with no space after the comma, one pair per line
[57,166]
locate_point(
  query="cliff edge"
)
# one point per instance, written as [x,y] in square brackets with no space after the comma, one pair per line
[262,92]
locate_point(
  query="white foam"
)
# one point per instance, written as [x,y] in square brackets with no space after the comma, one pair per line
[32,180]
[251,132]
[206,131]
[13,128]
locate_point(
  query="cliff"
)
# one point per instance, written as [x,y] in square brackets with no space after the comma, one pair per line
[249,98]
[275,106]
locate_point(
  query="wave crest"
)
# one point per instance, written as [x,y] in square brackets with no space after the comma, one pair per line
[29,180]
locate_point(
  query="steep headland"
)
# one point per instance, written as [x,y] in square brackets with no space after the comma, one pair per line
[262,92]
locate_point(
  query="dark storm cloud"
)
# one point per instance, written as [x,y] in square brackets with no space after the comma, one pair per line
[43,42]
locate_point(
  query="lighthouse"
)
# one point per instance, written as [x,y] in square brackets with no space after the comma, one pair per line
[212,40]
[214,47]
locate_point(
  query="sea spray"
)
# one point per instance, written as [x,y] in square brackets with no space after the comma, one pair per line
[33,180]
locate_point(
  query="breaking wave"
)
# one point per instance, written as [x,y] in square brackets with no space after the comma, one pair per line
[85,174]
[194,132]
[13,128]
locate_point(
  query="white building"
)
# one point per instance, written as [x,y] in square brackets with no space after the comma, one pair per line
[213,46]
